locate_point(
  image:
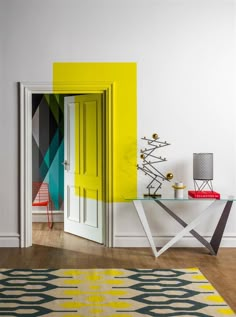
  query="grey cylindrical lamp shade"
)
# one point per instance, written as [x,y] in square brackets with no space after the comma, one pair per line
[203,166]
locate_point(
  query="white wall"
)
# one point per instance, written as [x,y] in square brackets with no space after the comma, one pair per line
[185,52]
[1,52]
[1,74]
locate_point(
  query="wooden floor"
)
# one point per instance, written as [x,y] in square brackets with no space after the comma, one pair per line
[56,249]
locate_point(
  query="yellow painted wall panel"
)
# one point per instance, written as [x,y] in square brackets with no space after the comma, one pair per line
[123,75]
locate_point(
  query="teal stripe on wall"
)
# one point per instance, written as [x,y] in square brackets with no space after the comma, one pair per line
[48,144]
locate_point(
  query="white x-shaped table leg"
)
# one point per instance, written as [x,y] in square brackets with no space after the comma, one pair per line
[140,210]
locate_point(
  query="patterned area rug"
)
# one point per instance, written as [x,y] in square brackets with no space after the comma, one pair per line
[109,292]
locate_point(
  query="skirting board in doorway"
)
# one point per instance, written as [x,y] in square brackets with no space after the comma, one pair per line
[122,241]
[42,217]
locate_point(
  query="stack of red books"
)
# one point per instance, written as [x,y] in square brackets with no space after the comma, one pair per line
[203,194]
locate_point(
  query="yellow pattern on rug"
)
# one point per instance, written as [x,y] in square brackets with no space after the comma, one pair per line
[109,293]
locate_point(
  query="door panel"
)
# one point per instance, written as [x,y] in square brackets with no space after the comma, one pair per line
[84,169]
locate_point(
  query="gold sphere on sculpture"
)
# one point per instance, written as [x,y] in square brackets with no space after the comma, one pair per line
[169,176]
[155,136]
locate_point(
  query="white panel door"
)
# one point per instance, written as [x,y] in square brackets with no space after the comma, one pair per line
[83,183]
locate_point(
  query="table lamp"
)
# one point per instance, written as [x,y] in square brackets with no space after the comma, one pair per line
[202,170]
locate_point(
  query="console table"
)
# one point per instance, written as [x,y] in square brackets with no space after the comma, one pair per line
[212,246]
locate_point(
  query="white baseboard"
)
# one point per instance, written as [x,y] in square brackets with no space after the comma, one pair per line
[121,241]
[9,240]
[42,217]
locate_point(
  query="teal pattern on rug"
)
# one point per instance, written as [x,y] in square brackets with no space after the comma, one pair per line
[109,292]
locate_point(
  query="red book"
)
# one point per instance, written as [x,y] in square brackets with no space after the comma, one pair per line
[203,194]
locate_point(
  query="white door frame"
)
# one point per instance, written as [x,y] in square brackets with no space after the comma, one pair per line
[26,91]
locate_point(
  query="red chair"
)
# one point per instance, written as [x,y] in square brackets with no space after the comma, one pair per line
[41,197]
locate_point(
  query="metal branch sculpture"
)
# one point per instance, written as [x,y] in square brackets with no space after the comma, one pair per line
[149,162]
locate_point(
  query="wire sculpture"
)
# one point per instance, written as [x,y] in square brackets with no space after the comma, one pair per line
[148,166]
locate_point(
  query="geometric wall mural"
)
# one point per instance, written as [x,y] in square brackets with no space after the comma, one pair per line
[48,144]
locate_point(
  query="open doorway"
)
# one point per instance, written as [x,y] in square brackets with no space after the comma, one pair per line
[68,163]
[67,140]
[27,113]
